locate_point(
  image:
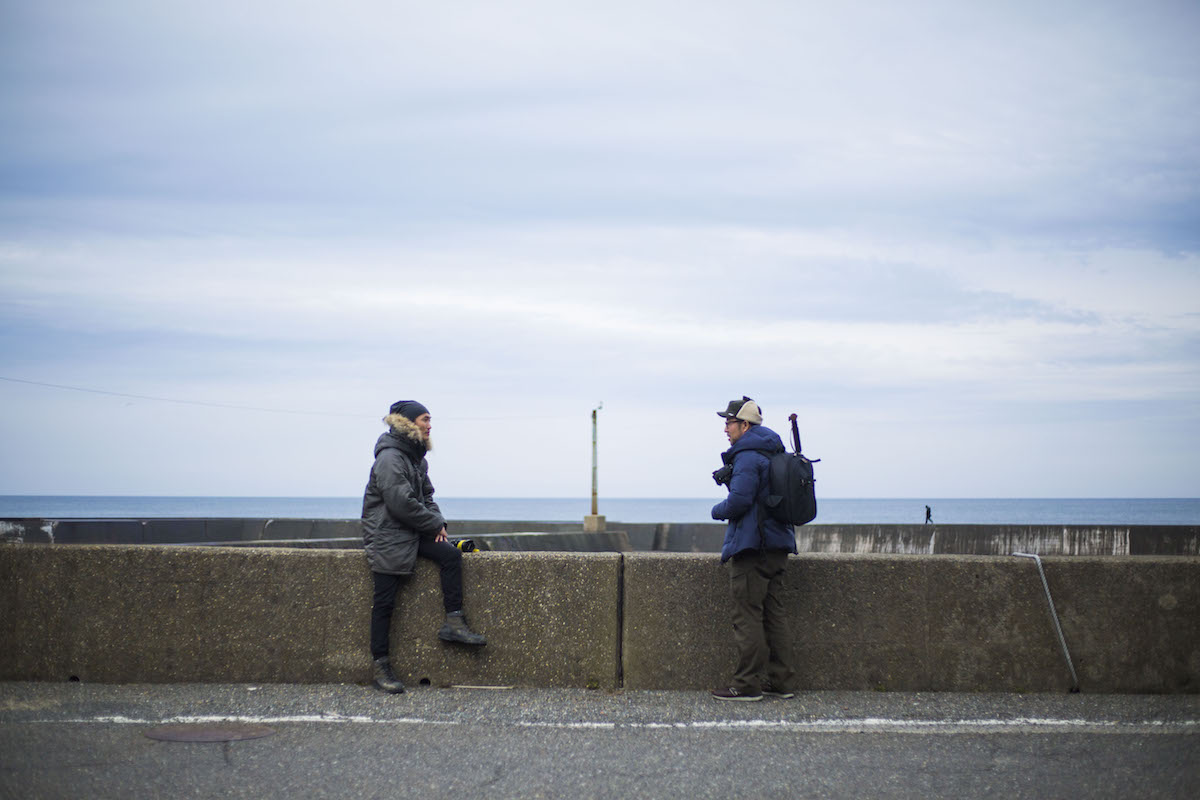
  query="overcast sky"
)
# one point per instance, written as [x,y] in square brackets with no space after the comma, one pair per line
[960,240]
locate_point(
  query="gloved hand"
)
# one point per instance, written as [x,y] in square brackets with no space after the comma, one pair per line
[723,475]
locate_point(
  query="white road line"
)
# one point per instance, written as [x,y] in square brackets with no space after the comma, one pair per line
[862,725]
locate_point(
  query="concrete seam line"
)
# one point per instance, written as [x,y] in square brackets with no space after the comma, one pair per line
[620,644]
[862,725]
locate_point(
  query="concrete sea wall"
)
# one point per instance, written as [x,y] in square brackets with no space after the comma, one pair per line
[626,537]
[941,623]
[640,620]
[150,613]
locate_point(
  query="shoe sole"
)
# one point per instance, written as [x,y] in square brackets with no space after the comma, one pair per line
[453,640]
[780,695]
[379,688]
[746,699]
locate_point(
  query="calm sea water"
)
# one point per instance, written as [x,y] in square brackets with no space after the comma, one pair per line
[1005,511]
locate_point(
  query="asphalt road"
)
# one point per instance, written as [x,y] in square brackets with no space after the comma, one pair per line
[90,741]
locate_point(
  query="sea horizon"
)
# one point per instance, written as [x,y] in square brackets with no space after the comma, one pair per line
[882,510]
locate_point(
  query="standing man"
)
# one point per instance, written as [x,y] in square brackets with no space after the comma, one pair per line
[756,548]
[928,515]
[400,522]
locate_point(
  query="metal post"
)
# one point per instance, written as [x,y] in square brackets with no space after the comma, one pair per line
[594,523]
[595,487]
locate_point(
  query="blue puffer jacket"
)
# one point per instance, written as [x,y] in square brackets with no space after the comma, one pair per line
[747,488]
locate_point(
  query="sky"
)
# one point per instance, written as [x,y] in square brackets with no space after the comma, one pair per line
[960,241]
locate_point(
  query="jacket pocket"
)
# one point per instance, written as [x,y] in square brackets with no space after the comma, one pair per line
[395,552]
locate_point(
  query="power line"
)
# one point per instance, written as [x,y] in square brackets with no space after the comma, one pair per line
[183,402]
[237,407]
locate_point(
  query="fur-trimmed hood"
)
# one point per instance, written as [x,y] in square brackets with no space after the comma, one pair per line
[404,430]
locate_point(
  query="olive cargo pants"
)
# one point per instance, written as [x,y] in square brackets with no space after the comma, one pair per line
[759,628]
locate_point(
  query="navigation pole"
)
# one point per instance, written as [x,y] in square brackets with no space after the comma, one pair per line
[594,523]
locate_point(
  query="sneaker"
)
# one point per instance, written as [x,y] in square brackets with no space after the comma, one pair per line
[777,692]
[732,693]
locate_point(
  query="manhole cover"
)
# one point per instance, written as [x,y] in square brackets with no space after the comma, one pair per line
[207,732]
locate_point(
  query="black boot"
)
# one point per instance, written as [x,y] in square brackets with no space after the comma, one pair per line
[385,679]
[456,630]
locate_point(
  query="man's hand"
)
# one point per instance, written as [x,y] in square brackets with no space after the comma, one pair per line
[441,537]
[723,475]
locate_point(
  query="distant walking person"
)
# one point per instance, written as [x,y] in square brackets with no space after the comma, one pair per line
[928,515]
[400,522]
[756,548]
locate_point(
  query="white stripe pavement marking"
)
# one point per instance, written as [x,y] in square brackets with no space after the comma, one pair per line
[864,725]
[212,719]
[877,725]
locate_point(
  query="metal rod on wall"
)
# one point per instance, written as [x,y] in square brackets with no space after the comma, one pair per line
[1062,640]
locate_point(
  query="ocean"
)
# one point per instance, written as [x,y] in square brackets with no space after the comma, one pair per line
[951,511]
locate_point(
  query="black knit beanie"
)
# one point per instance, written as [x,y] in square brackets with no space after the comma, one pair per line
[409,409]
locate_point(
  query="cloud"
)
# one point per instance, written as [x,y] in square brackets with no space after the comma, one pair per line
[1071,122]
[657,303]
[939,225]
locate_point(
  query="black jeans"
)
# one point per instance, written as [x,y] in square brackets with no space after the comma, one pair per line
[449,560]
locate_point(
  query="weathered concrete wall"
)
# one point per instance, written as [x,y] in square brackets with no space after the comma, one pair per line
[113,613]
[642,537]
[997,539]
[542,542]
[176,531]
[945,623]
[559,535]
[124,614]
